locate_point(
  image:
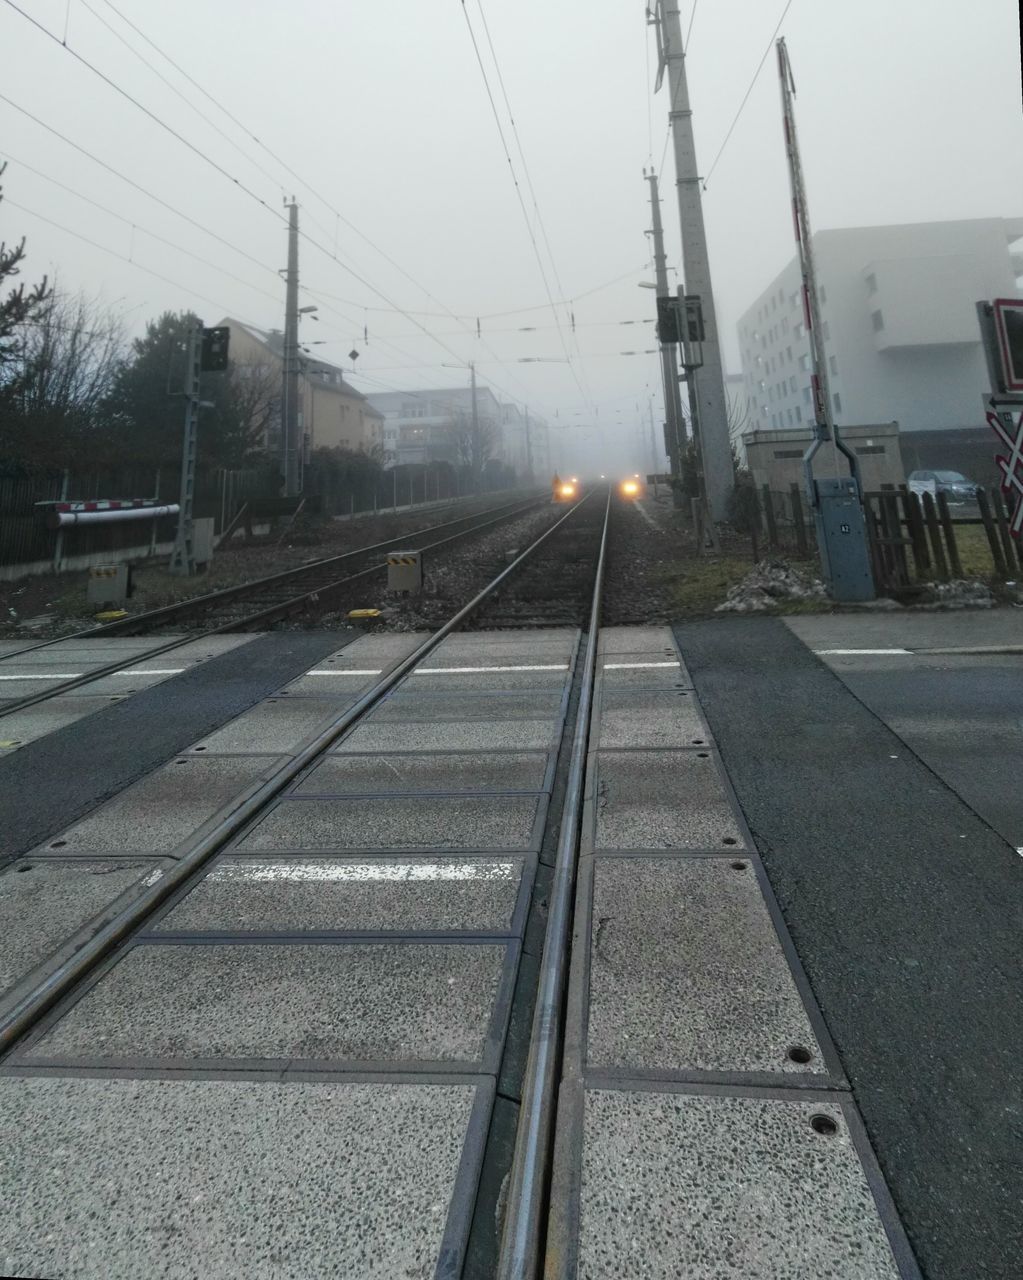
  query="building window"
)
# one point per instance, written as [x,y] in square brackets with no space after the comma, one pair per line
[774,304]
[833,365]
[770,393]
[788,416]
[804,363]
[872,283]
[870,448]
[788,353]
[784,324]
[838,402]
[826,331]
[877,319]
[781,295]
[792,384]
[799,414]
[824,294]
[794,299]
[763,410]
[806,395]
[797,331]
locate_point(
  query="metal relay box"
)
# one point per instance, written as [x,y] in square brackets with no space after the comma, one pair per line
[404,571]
[109,584]
[842,538]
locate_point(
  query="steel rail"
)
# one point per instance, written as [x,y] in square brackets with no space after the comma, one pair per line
[183,607]
[263,616]
[522,1239]
[31,1007]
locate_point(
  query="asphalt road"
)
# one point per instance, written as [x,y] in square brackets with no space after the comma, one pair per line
[49,783]
[906,907]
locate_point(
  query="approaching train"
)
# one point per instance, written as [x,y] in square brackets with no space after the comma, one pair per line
[632,487]
[567,490]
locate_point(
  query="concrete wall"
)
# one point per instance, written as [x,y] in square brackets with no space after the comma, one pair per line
[776,457]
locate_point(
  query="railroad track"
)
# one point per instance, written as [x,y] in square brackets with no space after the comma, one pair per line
[61,985]
[260,603]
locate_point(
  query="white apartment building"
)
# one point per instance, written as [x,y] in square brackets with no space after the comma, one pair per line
[899,326]
[432,425]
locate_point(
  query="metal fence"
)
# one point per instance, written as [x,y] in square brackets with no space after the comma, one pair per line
[28,545]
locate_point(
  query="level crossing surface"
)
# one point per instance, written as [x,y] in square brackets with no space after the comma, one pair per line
[308,1061]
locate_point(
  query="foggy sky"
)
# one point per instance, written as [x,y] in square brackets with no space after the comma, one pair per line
[906,113]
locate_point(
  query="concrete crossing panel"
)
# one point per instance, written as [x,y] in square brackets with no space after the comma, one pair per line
[451,772]
[476,735]
[399,822]
[718,1187]
[277,724]
[661,800]
[45,902]
[685,972]
[165,808]
[641,718]
[344,1002]
[299,1181]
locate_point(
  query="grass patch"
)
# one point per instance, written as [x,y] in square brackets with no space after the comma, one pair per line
[695,587]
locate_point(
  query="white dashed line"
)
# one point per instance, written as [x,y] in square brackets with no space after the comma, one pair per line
[153,671]
[869,653]
[342,673]
[465,671]
[314,871]
[51,675]
[637,666]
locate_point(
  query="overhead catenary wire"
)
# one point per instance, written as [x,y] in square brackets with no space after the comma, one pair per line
[14,204]
[131,182]
[137,226]
[746,95]
[339,217]
[518,193]
[152,115]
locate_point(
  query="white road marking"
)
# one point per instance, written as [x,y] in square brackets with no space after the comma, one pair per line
[343,673]
[318,871]
[459,671]
[51,675]
[870,653]
[152,671]
[636,666]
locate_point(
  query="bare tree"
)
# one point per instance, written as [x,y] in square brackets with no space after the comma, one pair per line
[255,396]
[16,309]
[473,447]
[69,354]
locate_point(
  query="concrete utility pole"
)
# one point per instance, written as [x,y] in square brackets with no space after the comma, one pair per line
[477,443]
[529,449]
[654,453]
[183,555]
[676,431]
[291,442]
[710,391]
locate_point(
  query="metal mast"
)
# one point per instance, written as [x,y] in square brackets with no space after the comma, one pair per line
[183,555]
[707,392]
[676,431]
[291,442]
[824,422]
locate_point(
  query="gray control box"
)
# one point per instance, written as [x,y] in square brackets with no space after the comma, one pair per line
[842,538]
[404,571]
[109,585]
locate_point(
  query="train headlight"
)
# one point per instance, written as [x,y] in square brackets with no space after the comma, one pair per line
[630,488]
[567,490]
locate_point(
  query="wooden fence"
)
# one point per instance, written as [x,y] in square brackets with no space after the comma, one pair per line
[921,538]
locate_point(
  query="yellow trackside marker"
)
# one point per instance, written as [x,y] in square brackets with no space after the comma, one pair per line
[111,615]
[362,615]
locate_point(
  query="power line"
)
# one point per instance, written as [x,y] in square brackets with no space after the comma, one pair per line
[518,193]
[135,226]
[146,111]
[131,182]
[277,159]
[174,89]
[756,77]
[14,204]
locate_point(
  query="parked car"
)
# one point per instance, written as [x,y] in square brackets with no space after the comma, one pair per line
[953,484]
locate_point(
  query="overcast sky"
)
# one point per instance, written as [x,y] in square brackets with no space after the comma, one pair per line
[908,110]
